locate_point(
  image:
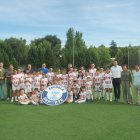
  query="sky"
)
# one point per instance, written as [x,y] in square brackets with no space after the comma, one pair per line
[100,21]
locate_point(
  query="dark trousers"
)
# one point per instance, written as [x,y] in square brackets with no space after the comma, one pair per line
[116,85]
[9,89]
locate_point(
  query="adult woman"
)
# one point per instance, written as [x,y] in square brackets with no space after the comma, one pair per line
[126,81]
[136,75]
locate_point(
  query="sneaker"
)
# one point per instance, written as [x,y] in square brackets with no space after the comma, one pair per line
[12,100]
[16,100]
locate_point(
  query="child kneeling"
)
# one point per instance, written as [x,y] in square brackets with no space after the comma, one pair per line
[82,95]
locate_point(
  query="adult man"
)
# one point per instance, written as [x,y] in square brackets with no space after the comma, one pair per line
[29,69]
[9,73]
[116,74]
[44,69]
[2,80]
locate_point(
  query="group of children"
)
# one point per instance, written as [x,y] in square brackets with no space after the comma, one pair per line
[82,86]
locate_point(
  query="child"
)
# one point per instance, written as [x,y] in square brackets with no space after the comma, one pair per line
[28,84]
[21,77]
[103,83]
[49,84]
[82,70]
[23,99]
[50,75]
[108,84]
[75,90]
[82,97]
[58,74]
[97,84]
[15,86]
[80,78]
[44,80]
[71,73]
[92,70]
[36,81]
[65,78]
[35,97]
[70,95]
[89,86]
[42,88]
[70,82]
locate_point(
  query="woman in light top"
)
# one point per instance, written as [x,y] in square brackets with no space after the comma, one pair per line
[136,75]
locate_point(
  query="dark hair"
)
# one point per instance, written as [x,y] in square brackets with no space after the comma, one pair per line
[82,87]
[125,65]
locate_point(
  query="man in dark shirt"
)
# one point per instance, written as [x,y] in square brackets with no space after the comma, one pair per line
[9,73]
[29,69]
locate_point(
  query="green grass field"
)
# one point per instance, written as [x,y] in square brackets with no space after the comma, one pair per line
[89,121]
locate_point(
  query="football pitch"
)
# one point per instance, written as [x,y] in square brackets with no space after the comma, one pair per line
[98,120]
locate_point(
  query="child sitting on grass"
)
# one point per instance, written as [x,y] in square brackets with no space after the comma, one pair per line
[35,97]
[82,97]
[70,95]
[23,99]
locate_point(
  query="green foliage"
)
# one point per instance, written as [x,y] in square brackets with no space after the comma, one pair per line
[128,55]
[113,48]
[104,56]
[49,50]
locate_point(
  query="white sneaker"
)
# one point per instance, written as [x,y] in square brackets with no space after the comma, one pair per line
[12,100]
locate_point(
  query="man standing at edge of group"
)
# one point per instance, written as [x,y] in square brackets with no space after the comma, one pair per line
[2,81]
[9,73]
[116,74]
[44,69]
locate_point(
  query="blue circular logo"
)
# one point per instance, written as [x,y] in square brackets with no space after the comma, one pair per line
[54,95]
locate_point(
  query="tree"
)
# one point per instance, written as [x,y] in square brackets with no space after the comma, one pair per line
[75,45]
[17,48]
[104,56]
[113,48]
[92,56]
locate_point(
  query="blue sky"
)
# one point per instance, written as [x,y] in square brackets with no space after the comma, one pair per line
[100,21]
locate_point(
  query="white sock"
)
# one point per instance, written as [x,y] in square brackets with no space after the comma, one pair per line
[103,93]
[15,98]
[107,96]
[110,97]
[96,95]
[92,97]
[12,99]
[99,95]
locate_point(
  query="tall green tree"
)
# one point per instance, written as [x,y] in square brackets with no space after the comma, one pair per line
[104,56]
[113,48]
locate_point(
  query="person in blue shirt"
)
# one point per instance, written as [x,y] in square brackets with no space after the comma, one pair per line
[44,69]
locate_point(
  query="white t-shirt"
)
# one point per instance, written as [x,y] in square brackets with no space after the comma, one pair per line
[83,95]
[116,71]
[108,78]
[50,76]
[92,72]
[136,76]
